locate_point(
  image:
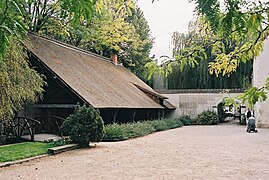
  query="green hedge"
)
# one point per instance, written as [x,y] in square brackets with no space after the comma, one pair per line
[119,132]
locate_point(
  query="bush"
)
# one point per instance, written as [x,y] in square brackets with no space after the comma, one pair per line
[165,124]
[207,118]
[186,120]
[221,113]
[158,125]
[119,132]
[84,126]
[243,120]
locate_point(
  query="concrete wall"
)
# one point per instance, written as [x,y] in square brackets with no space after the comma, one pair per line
[194,103]
[260,73]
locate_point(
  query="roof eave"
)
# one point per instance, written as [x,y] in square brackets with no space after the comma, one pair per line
[150,92]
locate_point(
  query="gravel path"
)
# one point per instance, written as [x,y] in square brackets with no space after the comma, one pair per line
[195,152]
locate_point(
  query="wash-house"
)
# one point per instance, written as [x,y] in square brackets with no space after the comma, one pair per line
[77,76]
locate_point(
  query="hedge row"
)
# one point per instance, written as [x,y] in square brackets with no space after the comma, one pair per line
[119,132]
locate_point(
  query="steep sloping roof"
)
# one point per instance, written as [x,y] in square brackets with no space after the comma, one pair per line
[93,78]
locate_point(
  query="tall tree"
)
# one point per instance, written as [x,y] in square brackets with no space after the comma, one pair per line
[19,16]
[118,28]
[11,24]
[137,58]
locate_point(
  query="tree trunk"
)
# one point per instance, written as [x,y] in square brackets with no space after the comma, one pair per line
[2,136]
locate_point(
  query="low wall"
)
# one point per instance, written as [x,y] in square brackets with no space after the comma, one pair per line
[194,103]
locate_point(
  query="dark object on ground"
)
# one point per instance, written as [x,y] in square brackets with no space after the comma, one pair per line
[251,125]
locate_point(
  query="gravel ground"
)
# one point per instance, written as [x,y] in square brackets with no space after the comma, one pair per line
[194,152]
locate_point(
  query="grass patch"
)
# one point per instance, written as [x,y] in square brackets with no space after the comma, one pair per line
[119,132]
[23,150]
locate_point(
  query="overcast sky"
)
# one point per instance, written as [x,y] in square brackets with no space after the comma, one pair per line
[165,17]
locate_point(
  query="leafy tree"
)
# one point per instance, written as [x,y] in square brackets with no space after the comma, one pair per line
[19,16]
[11,24]
[108,36]
[137,58]
[119,27]
[104,33]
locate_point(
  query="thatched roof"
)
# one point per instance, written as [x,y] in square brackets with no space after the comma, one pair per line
[95,79]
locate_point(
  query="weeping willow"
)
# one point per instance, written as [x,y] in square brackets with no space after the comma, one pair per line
[19,84]
[197,75]
[199,78]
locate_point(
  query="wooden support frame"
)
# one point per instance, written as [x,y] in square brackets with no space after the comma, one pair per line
[67,106]
[133,114]
[114,115]
[148,113]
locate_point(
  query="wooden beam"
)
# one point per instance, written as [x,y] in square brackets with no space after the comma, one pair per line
[133,112]
[53,105]
[114,114]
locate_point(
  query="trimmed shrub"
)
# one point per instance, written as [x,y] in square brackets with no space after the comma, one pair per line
[186,120]
[84,126]
[207,118]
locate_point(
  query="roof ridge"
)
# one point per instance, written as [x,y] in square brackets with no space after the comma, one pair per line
[69,46]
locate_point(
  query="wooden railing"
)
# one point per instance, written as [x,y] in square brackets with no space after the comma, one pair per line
[21,126]
[50,124]
[24,125]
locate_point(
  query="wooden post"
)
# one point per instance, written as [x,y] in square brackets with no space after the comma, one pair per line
[133,112]
[148,113]
[159,113]
[114,114]
[162,113]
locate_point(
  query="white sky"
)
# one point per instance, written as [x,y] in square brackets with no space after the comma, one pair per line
[165,17]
